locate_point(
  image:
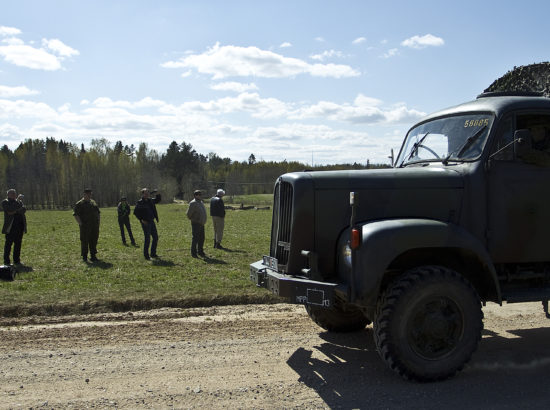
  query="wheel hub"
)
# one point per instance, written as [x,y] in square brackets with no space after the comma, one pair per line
[435,329]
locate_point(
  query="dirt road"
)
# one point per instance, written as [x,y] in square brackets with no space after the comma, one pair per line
[256,356]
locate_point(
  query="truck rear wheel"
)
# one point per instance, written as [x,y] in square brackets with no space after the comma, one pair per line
[428,323]
[336,319]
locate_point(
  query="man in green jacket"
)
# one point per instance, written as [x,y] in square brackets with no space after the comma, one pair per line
[123,210]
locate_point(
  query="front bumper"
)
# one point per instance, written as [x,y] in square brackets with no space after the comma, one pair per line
[295,289]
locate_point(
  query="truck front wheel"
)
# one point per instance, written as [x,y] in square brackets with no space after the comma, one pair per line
[336,319]
[428,323]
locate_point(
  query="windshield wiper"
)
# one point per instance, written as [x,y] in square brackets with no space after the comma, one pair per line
[467,144]
[414,148]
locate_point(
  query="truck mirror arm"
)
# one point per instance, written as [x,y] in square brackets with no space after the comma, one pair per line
[519,140]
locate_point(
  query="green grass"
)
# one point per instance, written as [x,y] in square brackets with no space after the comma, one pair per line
[56,281]
[254,199]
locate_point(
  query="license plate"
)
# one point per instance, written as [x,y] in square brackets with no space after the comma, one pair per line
[271,263]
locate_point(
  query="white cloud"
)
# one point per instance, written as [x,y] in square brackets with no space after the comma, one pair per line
[64,108]
[233,61]
[319,144]
[250,103]
[235,126]
[359,40]
[327,54]
[320,39]
[147,102]
[10,133]
[419,42]
[30,57]
[286,44]
[9,31]
[13,41]
[364,110]
[58,47]
[234,86]
[25,109]
[11,92]
[16,52]
[390,53]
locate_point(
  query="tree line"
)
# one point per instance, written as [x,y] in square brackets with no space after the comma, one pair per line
[53,174]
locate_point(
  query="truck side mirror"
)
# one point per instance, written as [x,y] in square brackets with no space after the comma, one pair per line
[523,140]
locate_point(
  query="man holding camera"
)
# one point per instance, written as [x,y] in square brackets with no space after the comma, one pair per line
[146,211]
[15,225]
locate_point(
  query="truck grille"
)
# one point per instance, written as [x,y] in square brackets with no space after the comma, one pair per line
[282,223]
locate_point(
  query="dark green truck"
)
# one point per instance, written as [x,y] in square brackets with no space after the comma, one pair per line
[462,218]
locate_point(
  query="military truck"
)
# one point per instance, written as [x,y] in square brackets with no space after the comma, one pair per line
[461,218]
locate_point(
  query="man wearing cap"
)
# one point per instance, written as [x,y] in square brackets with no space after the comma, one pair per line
[146,211]
[197,214]
[15,225]
[217,212]
[123,209]
[86,213]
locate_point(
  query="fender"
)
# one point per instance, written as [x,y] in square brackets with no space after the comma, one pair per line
[383,241]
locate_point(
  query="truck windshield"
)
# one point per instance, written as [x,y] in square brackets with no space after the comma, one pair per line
[457,138]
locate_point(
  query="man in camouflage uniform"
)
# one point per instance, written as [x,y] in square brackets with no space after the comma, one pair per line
[86,214]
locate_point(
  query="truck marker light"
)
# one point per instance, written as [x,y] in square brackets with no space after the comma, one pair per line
[355,238]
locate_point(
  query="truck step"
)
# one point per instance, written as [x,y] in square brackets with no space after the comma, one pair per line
[526,295]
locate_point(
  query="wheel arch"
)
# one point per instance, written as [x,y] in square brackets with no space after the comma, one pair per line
[390,247]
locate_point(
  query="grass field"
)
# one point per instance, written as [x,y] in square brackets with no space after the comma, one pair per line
[54,279]
[256,199]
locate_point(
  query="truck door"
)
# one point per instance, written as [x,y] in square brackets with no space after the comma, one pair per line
[519,193]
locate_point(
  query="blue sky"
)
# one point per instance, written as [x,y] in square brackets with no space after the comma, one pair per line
[311,81]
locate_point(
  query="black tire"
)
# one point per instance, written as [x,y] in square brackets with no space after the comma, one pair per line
[428,324]
[338,320]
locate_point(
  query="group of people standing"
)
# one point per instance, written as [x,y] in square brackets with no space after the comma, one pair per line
[87,215]
[146,212]
[197,215]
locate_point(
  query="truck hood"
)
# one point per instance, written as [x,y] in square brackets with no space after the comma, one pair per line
[321,208]
[422,177]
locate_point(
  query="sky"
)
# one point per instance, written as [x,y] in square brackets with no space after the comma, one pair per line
[320,82]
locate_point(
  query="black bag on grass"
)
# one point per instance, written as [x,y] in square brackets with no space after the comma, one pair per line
[7,272]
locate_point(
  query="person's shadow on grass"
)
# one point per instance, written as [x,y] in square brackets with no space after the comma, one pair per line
[162,262]
[213,261]
[231,250]
[99,264]
[23,269]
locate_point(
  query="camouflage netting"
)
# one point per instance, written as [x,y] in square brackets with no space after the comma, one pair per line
[533,77]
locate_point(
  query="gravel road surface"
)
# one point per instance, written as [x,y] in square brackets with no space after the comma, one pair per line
[255,356]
